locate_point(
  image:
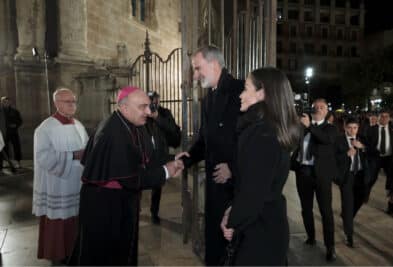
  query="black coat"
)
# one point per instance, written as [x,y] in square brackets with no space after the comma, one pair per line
[344,161]
[13,120]
[259,208]
[166,133]
[216,143]
[372,140]
[323,138]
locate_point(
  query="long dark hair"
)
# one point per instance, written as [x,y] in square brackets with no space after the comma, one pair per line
[278,105]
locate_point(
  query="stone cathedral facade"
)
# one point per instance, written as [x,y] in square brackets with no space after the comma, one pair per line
[73,41]
[96,46]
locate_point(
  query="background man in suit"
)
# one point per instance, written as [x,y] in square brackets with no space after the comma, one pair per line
[165,133]
[353,174]
[379,138]
[216,142]
[13,121]
[315,171]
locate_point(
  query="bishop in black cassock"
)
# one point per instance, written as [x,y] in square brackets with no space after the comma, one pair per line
[118,165]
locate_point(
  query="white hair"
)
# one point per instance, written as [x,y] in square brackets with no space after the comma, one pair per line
[61,90]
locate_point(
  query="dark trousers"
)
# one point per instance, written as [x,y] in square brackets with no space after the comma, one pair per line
[14,140]
[155,200]
[307,184]
[378,163]
[353,192]
[216,199]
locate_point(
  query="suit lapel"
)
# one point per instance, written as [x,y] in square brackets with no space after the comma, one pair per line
[221,103]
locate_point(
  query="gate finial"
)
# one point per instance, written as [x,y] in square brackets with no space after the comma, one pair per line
[147,52]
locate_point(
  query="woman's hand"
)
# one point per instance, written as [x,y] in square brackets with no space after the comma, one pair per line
[228,232]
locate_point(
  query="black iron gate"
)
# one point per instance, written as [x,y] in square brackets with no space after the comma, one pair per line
[151,72]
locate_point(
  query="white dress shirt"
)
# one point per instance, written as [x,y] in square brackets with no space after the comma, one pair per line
[306,142]
[353,157]
[387,139]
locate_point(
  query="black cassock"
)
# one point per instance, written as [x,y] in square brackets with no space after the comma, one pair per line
[118,152]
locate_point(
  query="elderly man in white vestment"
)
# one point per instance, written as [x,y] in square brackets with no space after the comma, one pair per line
[59,142]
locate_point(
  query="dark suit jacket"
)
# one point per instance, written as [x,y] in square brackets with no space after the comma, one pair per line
[344,161]
[322,149]
[372,140]
[216,141]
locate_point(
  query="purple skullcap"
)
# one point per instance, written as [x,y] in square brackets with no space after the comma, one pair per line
[125,91]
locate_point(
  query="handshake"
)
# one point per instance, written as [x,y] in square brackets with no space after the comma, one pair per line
[176,166]
[221,172]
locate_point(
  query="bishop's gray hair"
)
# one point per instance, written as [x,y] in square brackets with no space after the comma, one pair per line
[211,53]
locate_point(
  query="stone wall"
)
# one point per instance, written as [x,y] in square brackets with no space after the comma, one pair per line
[110,23]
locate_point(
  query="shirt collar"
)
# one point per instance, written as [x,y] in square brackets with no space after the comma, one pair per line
[349,137]
[318,122]
[63,119]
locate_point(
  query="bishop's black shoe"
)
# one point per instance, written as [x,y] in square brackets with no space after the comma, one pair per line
[330,254]
[389,210]
[349,242]
[155,219]
[310,242]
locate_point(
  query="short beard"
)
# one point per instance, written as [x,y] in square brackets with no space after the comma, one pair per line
[205,83]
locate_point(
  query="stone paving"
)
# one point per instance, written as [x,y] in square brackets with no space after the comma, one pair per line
[163,244]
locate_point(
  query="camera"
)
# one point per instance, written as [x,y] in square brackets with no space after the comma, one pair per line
[153,106]
[303,105]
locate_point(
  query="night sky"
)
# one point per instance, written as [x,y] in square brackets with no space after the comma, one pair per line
[378,15]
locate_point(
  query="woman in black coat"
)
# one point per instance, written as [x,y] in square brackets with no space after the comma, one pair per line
[268,132]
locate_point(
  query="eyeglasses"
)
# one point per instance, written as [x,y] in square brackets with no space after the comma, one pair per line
[73,102]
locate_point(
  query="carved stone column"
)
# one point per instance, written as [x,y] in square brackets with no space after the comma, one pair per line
[270,30]
[30,20]
[73,30]
[3,31]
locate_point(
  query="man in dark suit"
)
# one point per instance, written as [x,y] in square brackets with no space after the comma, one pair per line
[216,142]
[315,170]
[13,121]
[353,175]
[379,139]
[164,133]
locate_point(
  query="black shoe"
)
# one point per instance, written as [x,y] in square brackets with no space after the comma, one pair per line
[349,242]
[330,254]
[310,242]
[390,209]
[155,219]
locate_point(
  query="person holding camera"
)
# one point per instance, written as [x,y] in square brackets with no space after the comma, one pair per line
[315,170]
[164,133]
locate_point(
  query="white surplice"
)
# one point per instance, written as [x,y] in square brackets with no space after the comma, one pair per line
[57,177]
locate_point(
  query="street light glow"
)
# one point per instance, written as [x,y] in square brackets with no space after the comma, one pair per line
[309,72]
